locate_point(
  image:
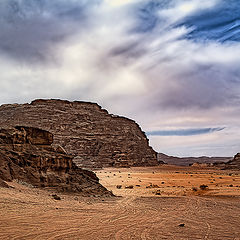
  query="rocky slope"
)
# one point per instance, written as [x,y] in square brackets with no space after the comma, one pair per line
[234,163]
[27,155]
[186,161]
[94,137]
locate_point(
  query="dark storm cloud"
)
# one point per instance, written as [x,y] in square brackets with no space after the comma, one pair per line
[31,29]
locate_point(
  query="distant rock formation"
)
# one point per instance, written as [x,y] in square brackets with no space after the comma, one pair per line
[233,163]
[27,155]
[187,161]
[85,130]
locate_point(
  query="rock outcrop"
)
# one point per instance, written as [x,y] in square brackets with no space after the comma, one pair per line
[27,155]
[85,130]
[234,163]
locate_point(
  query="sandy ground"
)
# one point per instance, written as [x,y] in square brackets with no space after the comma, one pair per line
[138,213]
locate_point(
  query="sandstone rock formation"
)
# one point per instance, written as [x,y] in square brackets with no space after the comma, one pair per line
[234,163]
[94,137]
[26,155]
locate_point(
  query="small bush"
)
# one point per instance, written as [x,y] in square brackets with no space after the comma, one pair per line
[181,225]
[158,192]
[203,187]
[56,197]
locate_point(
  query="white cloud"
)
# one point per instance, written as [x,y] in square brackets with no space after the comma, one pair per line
[182,8]
[160,78]
[117,3]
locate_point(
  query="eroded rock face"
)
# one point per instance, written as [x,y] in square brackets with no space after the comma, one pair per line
[26,155]
[25,135]
[234,163]
[94,137]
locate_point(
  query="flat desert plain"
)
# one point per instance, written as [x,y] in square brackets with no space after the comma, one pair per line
[163,202]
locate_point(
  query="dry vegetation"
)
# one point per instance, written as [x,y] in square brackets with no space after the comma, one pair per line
[171,181]
[155,203]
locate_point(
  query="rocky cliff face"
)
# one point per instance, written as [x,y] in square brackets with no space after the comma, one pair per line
[94,137]
[26,154]
[234,163]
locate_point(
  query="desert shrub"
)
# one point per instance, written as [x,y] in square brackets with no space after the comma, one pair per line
[158,192]
[56,197]
[152,186]
[203,187]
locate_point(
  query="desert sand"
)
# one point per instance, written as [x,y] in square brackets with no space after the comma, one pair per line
[164,203]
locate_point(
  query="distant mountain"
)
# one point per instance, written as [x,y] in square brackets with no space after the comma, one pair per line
[186,161]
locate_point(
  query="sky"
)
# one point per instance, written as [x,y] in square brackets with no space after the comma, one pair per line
[171,65]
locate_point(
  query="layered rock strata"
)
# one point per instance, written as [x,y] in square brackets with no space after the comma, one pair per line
[27,155]
[85,130]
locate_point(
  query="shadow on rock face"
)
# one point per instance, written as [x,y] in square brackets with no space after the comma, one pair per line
[27,155]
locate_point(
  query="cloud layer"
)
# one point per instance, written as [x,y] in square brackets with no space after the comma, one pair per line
[184,132]
[167,64]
